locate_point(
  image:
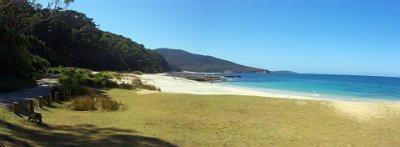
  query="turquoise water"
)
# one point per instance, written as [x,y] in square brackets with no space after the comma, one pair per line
[343,87]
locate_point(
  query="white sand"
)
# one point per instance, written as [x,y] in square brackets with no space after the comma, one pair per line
[361,111]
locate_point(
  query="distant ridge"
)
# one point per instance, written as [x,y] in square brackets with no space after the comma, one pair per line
[180,60]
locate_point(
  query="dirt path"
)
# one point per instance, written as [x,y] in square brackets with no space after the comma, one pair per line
[43,89]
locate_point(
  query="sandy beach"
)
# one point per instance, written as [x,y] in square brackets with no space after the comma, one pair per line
[361,111]
[181,85]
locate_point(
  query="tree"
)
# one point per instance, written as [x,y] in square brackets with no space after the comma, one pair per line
[21,15]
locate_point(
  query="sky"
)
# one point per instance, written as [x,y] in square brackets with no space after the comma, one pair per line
[357,37]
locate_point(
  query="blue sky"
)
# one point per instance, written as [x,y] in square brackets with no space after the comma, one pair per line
[308,36]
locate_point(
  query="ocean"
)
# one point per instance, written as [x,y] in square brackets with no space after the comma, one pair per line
[337,87]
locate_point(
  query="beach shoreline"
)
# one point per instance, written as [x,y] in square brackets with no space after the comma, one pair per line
[185,86]
[172,84]
[360,110]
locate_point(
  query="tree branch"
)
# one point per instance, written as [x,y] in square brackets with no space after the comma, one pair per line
[11,2]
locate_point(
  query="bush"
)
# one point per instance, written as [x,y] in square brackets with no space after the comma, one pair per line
[107,104]
[83,104]
[137,72]
[118,76]
[61,70]
[126,86]
[74,79]
[71,81]
[88,103]
[137,82]
[148,87]
[105,75]
[40,65]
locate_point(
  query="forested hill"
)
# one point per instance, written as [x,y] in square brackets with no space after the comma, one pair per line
[180,60]
[34,37]
[72,39]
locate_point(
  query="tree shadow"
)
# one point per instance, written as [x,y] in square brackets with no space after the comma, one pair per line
[81,135]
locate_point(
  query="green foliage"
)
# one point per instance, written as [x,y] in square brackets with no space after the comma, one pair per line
[180,60]
[68,38]
[39,64]
[74,79]
[75,40]
[60,70]
[17,71]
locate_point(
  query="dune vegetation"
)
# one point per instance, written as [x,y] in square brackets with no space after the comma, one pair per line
[150,118]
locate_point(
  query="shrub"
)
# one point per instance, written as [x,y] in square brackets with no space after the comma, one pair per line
[105,75]
[137,81]
[40,65]
[74,79]
[83,104]
[126,86]
[89,103]
[137,72]
[148,87]
[118,76]
[107,104]
[71,82]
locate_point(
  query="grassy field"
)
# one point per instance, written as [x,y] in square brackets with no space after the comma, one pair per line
[160,119]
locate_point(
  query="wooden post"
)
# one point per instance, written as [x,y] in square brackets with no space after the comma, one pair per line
[49,99]
[32,105]
[15,108]
[56,96]
[40,98]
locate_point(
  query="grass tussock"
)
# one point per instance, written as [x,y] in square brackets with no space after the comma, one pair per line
[90,103]
[148,87]
[85,103]
[118,76]
[137,83]
[126,86]
[108,104]
[137,72]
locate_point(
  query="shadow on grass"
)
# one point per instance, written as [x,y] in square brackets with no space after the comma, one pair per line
[82,135]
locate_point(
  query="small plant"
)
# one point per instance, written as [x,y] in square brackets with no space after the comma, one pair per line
[92,103]
[136,81]
[83,104]
[107,104]
[137,72]
[118,76]
[126,86]
[148,87]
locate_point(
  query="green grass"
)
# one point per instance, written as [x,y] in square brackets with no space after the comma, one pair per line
[196,120]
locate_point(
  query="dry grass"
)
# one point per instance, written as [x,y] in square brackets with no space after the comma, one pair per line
[91,103]
[107,104]
[85,103]
[199,120]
